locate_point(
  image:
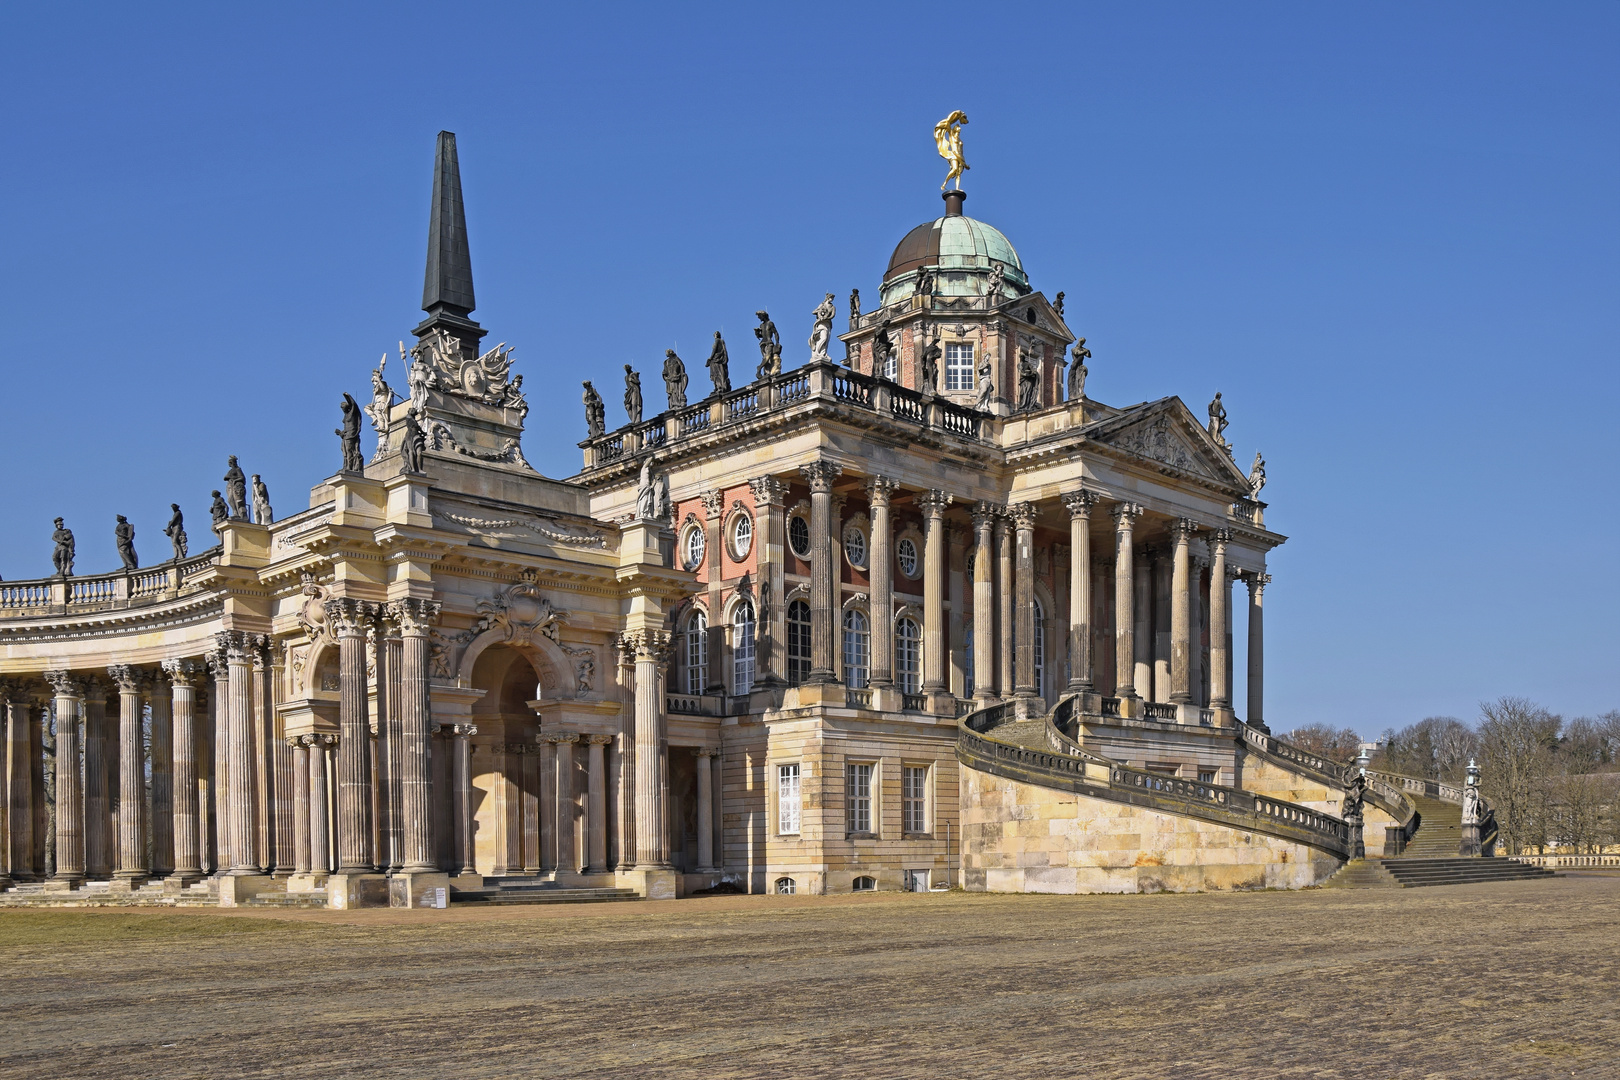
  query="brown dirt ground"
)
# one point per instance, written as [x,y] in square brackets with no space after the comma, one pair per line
[1520,979]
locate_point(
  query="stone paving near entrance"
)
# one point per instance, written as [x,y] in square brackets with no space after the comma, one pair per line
[1518,979]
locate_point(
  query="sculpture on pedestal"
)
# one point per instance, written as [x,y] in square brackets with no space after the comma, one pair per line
[382,400]
[1057,306]
[719,364]
[221,513]
[948,138]
[175,530]
[512,397]
[124,536]
[1077,373]
[854,307]
[674,379]
[1029,382]
[632,394]
[595,411]
[770,347]
[652,493]
[349,434]
[931,352]
[925,287]
[882,350]
[419,376]
[412,444]
[1217,421]
[261,502]
[236,486]
[987,382]
[1257,475]
[821,333]
[62,557]
[998,282]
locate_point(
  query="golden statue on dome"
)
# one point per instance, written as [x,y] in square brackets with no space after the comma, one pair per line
[948,137]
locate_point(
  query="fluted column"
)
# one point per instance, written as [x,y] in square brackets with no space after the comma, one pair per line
[414,617]
[351,619]
[1023,516]
[714,507]
[652,846]
[1257,649]
[540,777]
[1220,616]
[596,803]
[705,808]
[1004,601]
[19,777]
[880,566]
[98,844]
[1195,655]
[218,835]
[240,817]
[1125,515]
[984,602]
[933,504]
[823,580]
[183,678]
[69,691]
[284,773]
[623,768]
[1143,587]
[1081,663]
[131,775]
[564,807]
[769,540]
[261,739]
[160,823]
[320,826]
[300,807]
[1182,532]
[464,856]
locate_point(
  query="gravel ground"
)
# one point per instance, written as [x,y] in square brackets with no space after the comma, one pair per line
[1519,979]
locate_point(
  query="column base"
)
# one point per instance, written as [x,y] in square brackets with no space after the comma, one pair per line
[347,890]
[941,703]
[180,880]
[56,885]
[1470,847]
[467,879]
[651,882]
[419,889]
[813,693]
[310,882]
[235,890]
[123,882]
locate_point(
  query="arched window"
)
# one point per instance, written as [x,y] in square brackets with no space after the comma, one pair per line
[864,884]
[907,656]
[799,536]
[696,652]
[1040,649]
[693,547]
[742,536]
[905,554]
[798,642]
[784,886]
[857,645]
[742,648]
[967,671]
[855,548]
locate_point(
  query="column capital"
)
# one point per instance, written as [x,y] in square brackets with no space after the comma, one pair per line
[984,515]
[218,664]
[184,672]
[296,741]
[413,615]
[126,677]
[647,644]
[933,502]
[706,751]
[879,489]
[463,731]
[560,737]
[820,475]
[714,502]
[1022,514]
[1080,503]
[598,740]
[14,691]
[1257,582]
[1125,515]
[1218,539]
[65,683]
[1184,529]
[259,651]
[349,617]
[233,645]
[768,490]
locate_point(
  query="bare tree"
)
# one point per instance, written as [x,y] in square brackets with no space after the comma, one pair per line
[1517,739]
[1340,745]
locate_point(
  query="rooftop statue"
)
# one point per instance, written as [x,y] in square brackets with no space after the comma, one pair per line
[821,333]
[948,137]
[261,502]
[446,367]
[221,513]
[719,364]
[175,530]
[514,399]
[652,493]
[674,379]
[770,347]
[412,443]
[349,434]
[382,400]
[1257,475]
[632,394]
[62,557]
[419,376]
[595,411]
[1217,421]
[925,285]
[124,536]
[854,307]
[882,350]
[236,487]
[1057,305]
[931,353]
[1029,382]
[998,281]
[1077,373]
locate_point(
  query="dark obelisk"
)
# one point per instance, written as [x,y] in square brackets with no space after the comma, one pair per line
[447,289]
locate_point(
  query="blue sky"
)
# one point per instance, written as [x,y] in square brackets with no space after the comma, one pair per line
[1390,235]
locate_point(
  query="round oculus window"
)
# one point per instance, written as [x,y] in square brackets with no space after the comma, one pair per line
[742,536]
[855,547]
[799,536]
[694,547]
[905,553]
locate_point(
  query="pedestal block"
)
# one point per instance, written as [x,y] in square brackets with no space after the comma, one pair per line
[345,891]
[237,889]
[656,884]
[411,889]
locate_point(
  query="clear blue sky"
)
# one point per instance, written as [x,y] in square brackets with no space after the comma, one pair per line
[1389,234]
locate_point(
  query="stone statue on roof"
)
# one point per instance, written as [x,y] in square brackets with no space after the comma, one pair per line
[236,483]
[1257,475]
[412,443]
[854,307]
[595,411]
[218,510]
[62,557]
[175,530]
[1217,420]
[348,434]
[124,537]
[821,333]
[382,400]
[675,379]
[632,394]
[261,502]
[719,365]
[1077,373]
[770,347]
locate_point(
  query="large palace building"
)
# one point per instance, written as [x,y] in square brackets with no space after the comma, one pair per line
[922,615]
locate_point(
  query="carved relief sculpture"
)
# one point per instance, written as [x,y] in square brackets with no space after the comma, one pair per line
[674,379]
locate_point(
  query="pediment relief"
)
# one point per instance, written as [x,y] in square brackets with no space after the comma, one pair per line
[1169,438]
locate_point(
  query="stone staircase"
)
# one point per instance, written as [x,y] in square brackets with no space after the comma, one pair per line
[534,890]
[1362,874]
[315,898]
[100,894]
[1410,873]
[1439,829]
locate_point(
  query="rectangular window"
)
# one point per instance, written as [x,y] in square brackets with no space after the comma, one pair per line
[1206,776]
[787,799]
[959,366]
[914,799]
[858,782]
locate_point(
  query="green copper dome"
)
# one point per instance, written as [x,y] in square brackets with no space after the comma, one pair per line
[960,250]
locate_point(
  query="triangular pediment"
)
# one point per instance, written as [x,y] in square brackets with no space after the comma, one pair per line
[1164,432]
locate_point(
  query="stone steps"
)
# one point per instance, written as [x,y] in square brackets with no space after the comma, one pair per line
[315,898]
[537,891]
[1361,874]
[1414,873]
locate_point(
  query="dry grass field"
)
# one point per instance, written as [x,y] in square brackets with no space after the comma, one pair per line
[1509,980]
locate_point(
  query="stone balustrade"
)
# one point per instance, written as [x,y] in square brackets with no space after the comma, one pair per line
[98,592]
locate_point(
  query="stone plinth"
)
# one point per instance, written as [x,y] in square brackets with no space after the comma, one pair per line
[237,889]
[345,891]
[654,884]
[429,889]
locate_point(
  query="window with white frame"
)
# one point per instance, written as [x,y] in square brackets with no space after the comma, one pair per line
[1206,776]
[914,799]
[784,886]
[905,553]
[857,646]
[907,655]
[798,642]
[959,365]
[742,536]
[742,648]
[858,785]
[787,798]
[1040,649]
[891,367]
[799,536]
[692,547]
[697,652]
[855,547]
